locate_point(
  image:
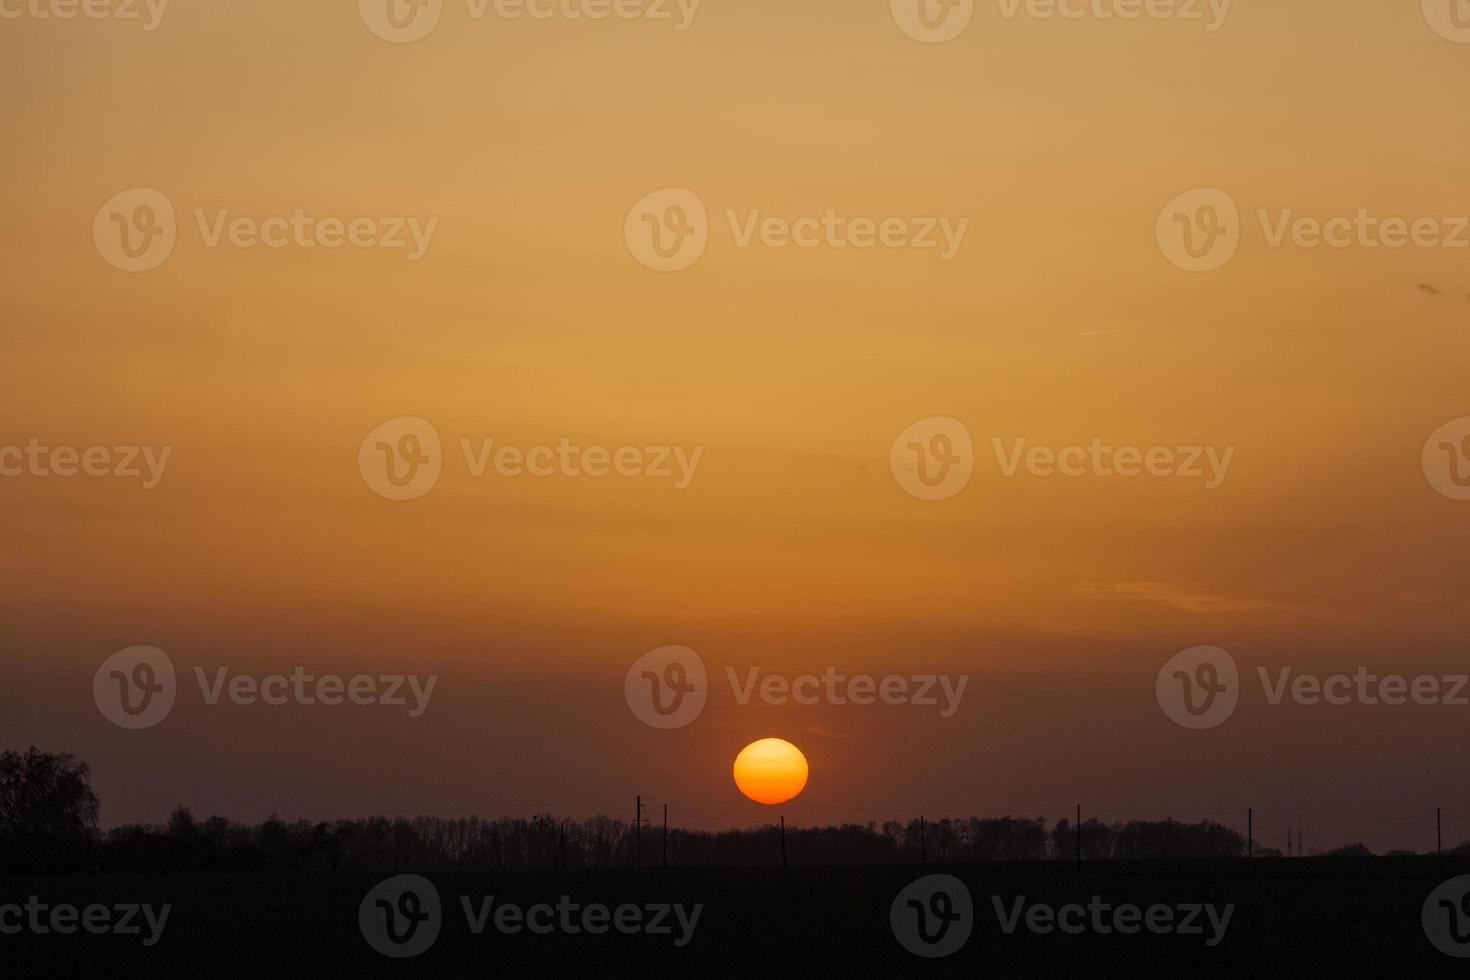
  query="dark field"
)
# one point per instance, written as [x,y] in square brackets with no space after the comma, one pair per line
[1307,917]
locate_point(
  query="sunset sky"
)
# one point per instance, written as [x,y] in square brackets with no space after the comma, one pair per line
[793,548]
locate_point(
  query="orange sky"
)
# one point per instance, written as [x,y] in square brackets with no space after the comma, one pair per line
[527,321]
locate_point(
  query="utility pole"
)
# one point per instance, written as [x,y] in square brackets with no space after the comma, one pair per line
[923,844]
[1250,835]
[666,835]
[638,832]
[783,842]
[1439,839]
[1079,836]
[1288,842]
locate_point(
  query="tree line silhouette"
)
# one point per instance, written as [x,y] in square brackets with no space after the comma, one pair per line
[49,821]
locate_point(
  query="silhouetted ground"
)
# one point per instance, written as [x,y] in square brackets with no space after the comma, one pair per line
[1311,917]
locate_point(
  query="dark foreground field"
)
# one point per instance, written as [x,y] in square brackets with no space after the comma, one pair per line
[1290,918]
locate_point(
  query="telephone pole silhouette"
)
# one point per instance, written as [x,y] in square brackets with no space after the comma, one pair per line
[1079,836]
[638,832]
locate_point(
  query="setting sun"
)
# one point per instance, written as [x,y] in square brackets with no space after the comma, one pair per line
[770,771]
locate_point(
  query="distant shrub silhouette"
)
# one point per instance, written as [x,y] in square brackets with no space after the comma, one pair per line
[1147,840]
[429,844]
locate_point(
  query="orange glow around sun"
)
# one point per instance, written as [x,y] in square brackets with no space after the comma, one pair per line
[770,771]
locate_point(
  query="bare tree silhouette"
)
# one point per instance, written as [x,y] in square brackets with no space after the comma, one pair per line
[48,812]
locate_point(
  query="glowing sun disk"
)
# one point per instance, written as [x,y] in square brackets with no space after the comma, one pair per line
[770,771]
